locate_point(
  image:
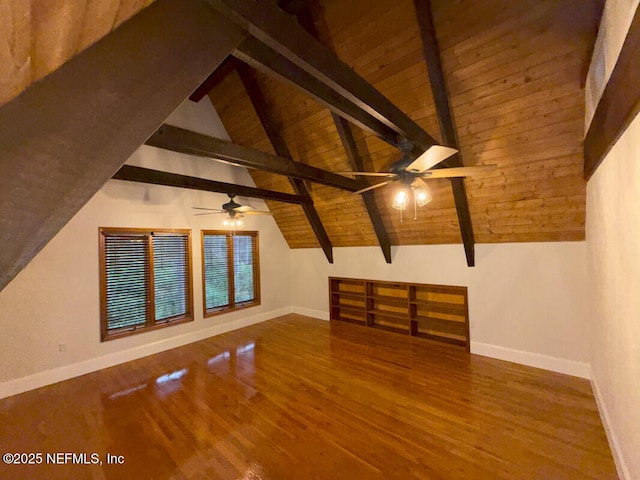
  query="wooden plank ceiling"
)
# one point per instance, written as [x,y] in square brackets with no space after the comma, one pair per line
[514,71]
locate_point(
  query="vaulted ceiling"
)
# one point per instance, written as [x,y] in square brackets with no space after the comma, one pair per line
[513,73]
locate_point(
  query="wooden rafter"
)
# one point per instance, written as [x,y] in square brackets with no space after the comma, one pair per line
[355,161]
[65,136]
[262,57]
[302,12]
[271,26]
[619,104]
[156,177]
[247,76]
[226,67]
[445,118]
[180,140]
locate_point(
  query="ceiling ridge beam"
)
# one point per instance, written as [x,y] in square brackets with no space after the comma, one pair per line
[266,22]
[188,142]
[247,76]
[445,118]
[132,173]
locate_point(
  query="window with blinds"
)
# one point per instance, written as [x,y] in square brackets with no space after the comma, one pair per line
[145,280]
[230,270]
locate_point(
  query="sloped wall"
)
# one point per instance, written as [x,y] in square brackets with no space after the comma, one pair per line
[55,300]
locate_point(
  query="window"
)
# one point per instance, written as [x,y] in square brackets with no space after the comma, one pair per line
[145,280]
[230,271]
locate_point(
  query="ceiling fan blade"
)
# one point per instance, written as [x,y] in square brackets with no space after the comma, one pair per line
[368,174]
[381,184]
[210,213]
[211,209]
[433,156]
[244,208]
[457,171]
[257,212]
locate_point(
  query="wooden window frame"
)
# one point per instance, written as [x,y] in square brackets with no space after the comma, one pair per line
[151,323]
[230,273]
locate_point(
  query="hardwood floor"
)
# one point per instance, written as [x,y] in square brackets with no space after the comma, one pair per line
[301,398]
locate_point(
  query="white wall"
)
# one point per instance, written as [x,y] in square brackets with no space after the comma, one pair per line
[613,233]
[527,302]
[55,299]
[613,253]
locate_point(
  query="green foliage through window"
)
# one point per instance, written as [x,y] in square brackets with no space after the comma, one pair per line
[230,270]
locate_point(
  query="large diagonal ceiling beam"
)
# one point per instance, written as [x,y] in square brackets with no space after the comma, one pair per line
[619,104]
[180,140]
[303,13]
[280,147]
[156,177]
[262,57]
[355,161]
[445,117]
[282,33]
[67,134]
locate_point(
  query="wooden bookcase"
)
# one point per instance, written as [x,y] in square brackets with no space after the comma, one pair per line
[436,312]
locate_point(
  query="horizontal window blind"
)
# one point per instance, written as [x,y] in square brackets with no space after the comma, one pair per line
[171,276]
[127,285]
[145,279]
[216,271]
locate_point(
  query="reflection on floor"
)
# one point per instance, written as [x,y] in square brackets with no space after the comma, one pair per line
[301,398]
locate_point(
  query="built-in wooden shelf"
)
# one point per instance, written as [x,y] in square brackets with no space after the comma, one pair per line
[434,312]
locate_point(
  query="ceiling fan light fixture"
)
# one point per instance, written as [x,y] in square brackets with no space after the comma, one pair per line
[401,200]
[421,196]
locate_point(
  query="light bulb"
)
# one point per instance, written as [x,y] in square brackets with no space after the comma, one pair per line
[422,197]
[239,222]
[400,200]
[225,223]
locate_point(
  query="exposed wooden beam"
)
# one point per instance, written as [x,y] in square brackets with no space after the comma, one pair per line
[302,12]
[445,118]
[282,33]
[355,161]
[280,147]
[619,104]
[157,177]
[180,140]
[225,68]
[65,136]
[260,56]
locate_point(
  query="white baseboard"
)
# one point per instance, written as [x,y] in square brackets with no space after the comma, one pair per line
[48,377]
[309,312]
[555,364]
[614,443]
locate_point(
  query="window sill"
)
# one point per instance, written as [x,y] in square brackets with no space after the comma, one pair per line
[222,310]
[128,332]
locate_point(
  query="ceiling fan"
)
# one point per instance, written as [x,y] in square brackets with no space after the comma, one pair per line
[234,210]
[412,173]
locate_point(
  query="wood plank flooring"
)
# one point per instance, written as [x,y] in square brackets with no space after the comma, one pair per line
[298,398]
